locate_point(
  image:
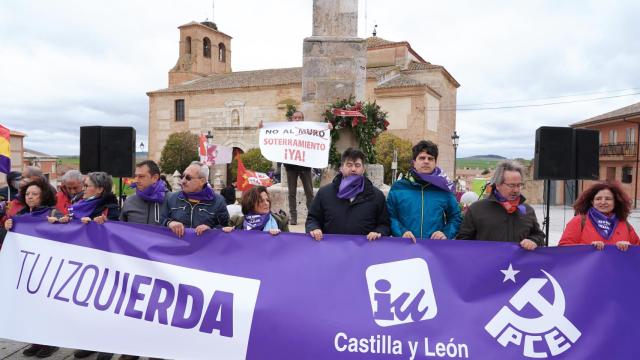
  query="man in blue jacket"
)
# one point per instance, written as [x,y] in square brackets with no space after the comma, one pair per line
[196,206]
[422,205]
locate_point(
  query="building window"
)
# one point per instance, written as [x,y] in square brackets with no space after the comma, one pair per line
[206,47]
[222,55]
[180,110]
[613,134]
[626,174]
[611,173]
[630,135]
[187,45]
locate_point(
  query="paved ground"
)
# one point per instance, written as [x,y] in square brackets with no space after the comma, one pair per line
[559,216]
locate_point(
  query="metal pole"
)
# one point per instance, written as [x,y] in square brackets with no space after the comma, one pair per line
[394,166]
[547,184]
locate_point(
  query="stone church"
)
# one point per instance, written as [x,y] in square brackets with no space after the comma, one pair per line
[204,94]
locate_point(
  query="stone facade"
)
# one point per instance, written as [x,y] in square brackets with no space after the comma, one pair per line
[417,95]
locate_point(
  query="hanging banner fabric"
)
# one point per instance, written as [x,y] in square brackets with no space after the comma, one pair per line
[304,143]
[137,289]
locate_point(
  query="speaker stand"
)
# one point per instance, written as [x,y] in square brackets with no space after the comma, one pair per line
[547,208]
[120,191]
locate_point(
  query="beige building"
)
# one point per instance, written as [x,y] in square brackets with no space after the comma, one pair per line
[205,95]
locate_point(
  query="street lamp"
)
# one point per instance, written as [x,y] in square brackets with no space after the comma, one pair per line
[454,141]
[141,146]
[209,137]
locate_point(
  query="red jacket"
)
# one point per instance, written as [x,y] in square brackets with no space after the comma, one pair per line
[62,202]
[575,234]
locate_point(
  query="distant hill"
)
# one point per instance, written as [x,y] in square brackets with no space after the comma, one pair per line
[486,157]
[483,161]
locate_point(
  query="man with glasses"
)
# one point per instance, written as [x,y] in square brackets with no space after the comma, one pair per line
[503,215]
[196,206]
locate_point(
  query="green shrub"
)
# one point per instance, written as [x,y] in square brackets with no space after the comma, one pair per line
[384,150]
[179,151]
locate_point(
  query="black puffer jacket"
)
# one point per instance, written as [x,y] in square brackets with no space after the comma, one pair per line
[367,212]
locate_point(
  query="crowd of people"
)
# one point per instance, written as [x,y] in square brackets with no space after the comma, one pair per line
[420,206]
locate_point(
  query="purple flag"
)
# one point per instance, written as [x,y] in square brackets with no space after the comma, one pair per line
[341,298]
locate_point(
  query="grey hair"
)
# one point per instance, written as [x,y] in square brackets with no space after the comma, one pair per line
[203,170]
[506,165]
[72,175]
[34,171]
[102,180]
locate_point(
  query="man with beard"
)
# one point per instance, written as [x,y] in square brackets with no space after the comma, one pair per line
[351,204]
[144,207]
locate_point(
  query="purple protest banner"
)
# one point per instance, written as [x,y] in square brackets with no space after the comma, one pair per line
[257,296]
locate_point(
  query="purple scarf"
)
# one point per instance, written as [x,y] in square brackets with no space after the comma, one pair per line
[153,193]
[604,224]
[437,178]
[37,212]
[254,221]
[351,186]
[206,194]
[84,208]
[508,204]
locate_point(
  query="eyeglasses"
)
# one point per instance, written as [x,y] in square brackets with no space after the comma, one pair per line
[513,186]
[186,177]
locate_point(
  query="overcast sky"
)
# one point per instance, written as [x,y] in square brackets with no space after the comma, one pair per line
[69,63]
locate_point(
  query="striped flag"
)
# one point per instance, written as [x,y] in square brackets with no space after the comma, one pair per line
[5,151]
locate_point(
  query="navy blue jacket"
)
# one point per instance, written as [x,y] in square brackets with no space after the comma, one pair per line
[177,208]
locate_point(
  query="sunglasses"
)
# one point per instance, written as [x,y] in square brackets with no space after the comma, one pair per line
[186,177]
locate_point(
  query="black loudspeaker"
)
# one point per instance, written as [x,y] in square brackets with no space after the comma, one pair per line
[89,149]
[587,154]
[108,148]
[554,154]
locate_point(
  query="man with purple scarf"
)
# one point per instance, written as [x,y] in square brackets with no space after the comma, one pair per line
[350,204]
[196,206]
[503,215]
[422,205]
[144,206]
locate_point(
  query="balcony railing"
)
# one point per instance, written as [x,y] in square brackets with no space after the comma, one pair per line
[624,149]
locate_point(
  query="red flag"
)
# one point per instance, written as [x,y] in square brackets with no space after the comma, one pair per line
[246,179]
[202,148]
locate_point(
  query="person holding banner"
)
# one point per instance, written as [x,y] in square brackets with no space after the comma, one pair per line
[196,206]
[503,215]
[293,173]
[70,190]
[257,215]
[98,202]
[350,205]
[422,205]
[144,206]
[601,219]
[37,200]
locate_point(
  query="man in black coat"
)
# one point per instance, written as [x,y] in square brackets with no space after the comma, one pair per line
[350,204]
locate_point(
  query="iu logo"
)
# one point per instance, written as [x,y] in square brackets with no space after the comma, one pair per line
[401,292]
[550,334]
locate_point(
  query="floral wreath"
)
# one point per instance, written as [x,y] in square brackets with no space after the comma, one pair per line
[367,126]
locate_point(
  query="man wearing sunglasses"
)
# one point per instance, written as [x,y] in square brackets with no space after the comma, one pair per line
[503,215]
[196,206]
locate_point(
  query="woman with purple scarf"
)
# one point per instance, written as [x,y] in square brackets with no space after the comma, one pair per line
[38,199]
[98,202]
[257,215]
[601,219]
